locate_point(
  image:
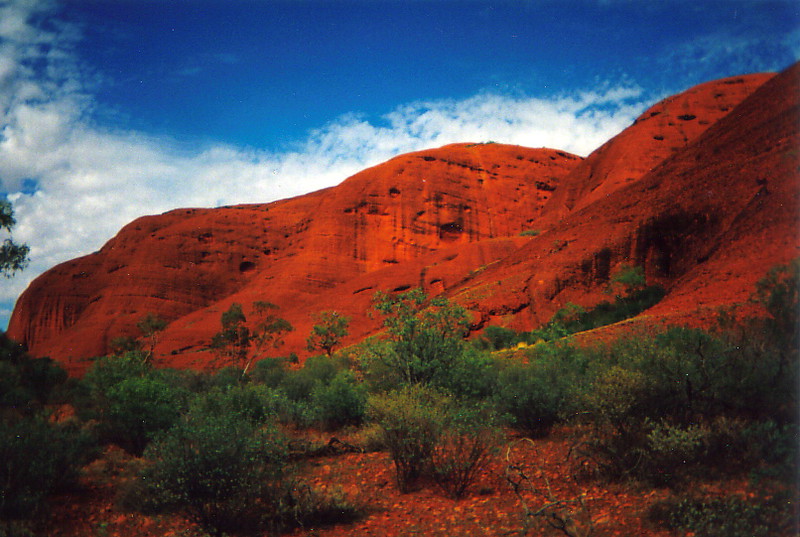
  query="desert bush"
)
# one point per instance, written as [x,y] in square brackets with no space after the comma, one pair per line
[474,375]
[37,458]
[228,376]
[412,420]
[317,370]
[529,233]
[538,393]
[256,404]
[107,371]
[138,408]
[661,404]
[27,384]
[726,516]
[468,441]
[499,337]
[222,471]
[430,435]
[310,507]
[270,371]
[340,402]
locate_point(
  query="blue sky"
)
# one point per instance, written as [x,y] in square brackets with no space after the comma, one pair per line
[112,109]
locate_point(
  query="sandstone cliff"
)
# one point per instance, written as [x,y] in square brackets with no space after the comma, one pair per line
[701,190]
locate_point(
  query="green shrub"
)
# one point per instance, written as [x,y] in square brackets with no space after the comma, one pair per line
[727,516]
[221,471]
[500,337]
[530,233]
[525,395]
[340,402]
[473,375]
[252,403]
[313,508]
[468,440]
[672,451]
[425,336]
[317,370]
[618,433]
[108,371]
[270,371]
[37,458]
[539,393]
[139,408]
[28,384]
[431,435]
[412,420]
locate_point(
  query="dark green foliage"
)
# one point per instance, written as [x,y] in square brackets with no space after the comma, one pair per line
[663,405]
[340,402]
[605,313]
[270,371]
[124,344]
[256,404]
[235,341]
[726,516]
[107,372]
[300,383]
[151,326]
[268,331]
[139,408]
[473,376]
[499,337]
[779,293]
[131,401]
[37,458]
[222,471]
[539,393]
[627,281]
[228,376]
[27,384]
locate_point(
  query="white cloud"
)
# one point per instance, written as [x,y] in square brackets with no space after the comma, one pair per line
[93,181]
[702,58]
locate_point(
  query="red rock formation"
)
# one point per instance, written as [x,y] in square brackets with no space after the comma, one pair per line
[665,128]
[707,222]
[701,190]
[186,261]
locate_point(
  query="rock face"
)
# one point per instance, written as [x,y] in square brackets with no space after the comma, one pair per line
[702,191]
[287,252]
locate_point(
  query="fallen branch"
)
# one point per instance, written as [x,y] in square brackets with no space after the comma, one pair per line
[569,516]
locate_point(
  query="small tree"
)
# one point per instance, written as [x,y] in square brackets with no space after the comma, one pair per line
[627,281]
[233,341]
[13,256]
[331,327]
[268,332]
[151,326]
[426,337]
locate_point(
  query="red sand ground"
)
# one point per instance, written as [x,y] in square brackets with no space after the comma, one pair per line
[490,507]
